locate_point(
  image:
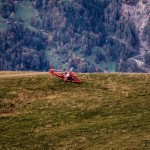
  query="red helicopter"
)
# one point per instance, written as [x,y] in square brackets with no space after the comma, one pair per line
[67,76]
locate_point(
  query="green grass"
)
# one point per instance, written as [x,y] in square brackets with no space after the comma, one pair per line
[52,58]
[106,111]
[2,24]
[109,66]
[25,11]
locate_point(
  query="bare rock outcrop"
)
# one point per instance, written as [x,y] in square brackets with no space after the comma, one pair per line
[139,14]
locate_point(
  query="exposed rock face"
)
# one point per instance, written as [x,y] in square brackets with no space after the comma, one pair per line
[139,15]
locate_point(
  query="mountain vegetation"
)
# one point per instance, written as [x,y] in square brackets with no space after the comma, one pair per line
[89,35]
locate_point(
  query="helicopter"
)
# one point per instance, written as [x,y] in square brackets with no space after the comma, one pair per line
[67,76]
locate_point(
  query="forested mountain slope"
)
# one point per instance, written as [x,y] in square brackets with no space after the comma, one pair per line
[90,35]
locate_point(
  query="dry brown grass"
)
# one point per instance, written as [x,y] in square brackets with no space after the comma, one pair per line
[106,111]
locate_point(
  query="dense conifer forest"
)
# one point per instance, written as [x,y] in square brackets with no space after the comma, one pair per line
[89,35]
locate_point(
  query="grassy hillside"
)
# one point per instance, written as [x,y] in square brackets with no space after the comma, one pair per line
[107,111]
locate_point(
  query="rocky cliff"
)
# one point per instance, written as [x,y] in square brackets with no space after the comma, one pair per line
[138,13]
